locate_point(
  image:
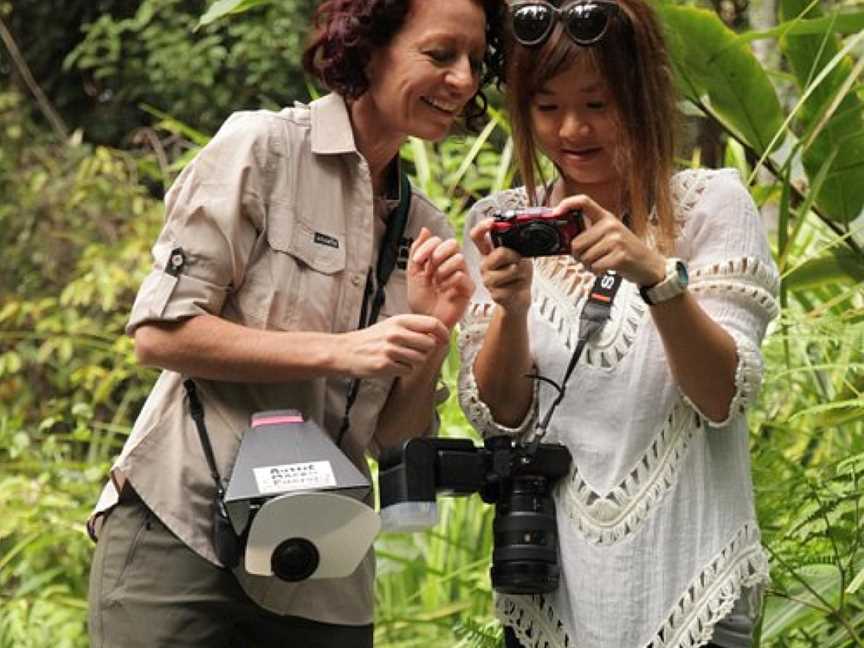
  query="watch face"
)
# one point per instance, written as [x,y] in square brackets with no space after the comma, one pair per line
[681,271]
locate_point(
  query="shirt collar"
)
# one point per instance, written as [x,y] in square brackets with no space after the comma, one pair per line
[331,126]
[332,134]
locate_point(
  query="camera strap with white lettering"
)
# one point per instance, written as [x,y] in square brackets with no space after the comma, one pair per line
[388,255]
[595,314]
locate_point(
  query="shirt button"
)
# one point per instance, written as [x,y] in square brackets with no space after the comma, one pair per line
[355,279]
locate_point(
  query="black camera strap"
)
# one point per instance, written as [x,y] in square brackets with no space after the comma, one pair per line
[196,411]
[595,314]
[388,255]
[226,543]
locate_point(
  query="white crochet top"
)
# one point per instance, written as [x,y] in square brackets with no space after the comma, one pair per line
[656,523]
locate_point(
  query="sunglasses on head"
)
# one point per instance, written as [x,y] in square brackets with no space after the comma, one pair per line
[585,21]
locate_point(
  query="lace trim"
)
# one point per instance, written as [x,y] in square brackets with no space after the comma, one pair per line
[708,599]
[560,292]
[471,335]
[688,186]
[751,282]
[748,380]
[712,594]
[746,280]
[534,620]
[607,519]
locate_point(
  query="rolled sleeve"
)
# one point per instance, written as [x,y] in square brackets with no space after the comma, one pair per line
[214,215]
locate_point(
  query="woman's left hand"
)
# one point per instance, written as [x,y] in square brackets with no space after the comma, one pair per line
[608,244]
[438,280]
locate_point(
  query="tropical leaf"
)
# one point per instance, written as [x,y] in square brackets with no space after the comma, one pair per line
[832,113]
[714,68]
[223,8]
[838,23]
[840,265]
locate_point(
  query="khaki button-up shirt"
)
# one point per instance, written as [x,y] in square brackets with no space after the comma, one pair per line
[279,228]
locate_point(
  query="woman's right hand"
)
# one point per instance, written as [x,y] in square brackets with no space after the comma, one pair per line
[506,274]
[393,347]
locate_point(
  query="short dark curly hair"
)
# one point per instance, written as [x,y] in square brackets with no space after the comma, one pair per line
[346,32]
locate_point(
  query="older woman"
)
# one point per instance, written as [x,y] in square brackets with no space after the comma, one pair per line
[260,278]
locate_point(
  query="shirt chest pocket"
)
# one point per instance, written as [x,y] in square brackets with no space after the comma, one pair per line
[299,285]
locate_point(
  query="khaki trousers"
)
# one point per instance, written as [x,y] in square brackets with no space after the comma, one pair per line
[149,590]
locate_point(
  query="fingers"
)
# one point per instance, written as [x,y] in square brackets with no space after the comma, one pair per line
[445,259]
[480,236]
[425,324]
[589,252]
[501,257]
[423,247]
[443,263]
[408,348]
[458,283]
[591,211]
[395,346]
[422,237]
[506,275]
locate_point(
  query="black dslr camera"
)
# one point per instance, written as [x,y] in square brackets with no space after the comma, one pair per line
[535,231]
[516,477]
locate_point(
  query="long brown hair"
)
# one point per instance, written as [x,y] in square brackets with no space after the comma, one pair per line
[633,60]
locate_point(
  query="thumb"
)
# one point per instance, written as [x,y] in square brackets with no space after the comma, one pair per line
[480,236]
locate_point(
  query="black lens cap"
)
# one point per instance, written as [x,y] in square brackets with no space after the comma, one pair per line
[538,239]
[295,559]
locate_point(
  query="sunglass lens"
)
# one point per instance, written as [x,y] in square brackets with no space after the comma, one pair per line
[531,23]
[587,22]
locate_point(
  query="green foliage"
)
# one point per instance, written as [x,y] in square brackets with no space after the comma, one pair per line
[119,55]
[831,119]
[824,131]
[46,31]
[810,495]
[432,585]
[222,8]
[155,58]
[75,230]
[77,220]
[715,69]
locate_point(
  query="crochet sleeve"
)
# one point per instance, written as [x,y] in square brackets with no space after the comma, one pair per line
[472,331]
[732,273]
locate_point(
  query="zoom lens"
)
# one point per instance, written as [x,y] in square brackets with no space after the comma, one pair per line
[525,558]
[295,559]
[538,239]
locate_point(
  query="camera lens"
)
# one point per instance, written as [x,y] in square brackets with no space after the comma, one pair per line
[295,559]
[525,559]
[537,239]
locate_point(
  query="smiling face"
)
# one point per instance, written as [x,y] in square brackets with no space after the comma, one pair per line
[575,124]
[421,81]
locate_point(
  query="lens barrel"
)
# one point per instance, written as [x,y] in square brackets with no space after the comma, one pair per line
[538,239]
[295,559]
[525,557]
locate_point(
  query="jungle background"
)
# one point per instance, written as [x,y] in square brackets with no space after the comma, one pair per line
[103,101]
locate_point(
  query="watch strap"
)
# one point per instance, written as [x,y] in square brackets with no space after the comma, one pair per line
[670,286]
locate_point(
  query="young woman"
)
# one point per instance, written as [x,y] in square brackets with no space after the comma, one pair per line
[261,275]
[658,541]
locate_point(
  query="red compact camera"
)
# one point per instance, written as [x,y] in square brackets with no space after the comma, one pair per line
[535,231]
